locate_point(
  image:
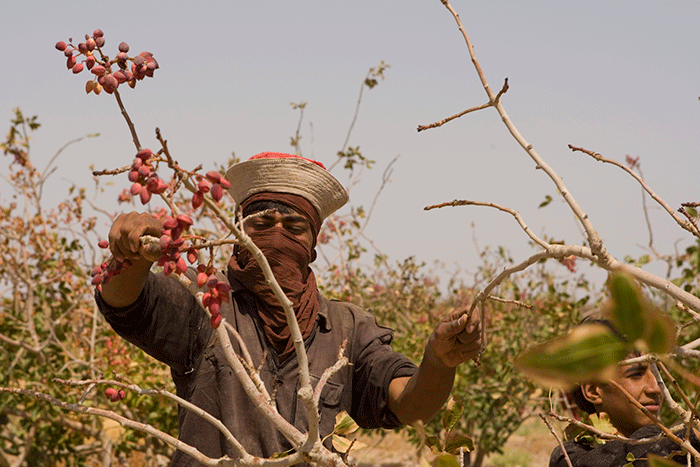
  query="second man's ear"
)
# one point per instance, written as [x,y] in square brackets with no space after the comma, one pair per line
[591,391]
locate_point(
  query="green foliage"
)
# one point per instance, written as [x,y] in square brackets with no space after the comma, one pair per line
[547,200]
[657,461]
[583,435]
[344,426]
[590,351]
[405,296]
[353,156]
[587,352]
[689,265]
[50,328]
[446,447]
[374,73]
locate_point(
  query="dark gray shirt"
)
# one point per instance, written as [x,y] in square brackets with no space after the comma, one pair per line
[614,453]
[167,323]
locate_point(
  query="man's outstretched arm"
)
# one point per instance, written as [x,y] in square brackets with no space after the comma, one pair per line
[124,288]
[456,339]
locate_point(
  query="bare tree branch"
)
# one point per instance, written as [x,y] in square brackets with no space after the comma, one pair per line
[684,224]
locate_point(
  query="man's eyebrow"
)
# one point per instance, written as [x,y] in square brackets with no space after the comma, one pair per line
[634,368]
[295,218]
[270,215]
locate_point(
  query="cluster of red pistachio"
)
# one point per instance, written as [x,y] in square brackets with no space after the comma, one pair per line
[145,179]
[102,273]
[171,244]
[218,292]
[213,183]
[115,395]
[142,174]
[142,65]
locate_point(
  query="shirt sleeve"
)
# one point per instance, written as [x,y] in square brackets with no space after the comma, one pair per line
[165,321]
[375,367]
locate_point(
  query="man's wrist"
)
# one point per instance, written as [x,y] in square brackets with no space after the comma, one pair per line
[433,359]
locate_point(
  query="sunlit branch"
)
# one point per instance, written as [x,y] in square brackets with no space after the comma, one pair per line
[684,224]
[558,438]
[464,112]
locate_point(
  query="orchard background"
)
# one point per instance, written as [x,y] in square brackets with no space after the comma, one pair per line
[227,88]
[620,79]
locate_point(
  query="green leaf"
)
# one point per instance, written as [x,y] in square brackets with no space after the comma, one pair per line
[589,351]
[452,414]
[657,461]
[445,460]
[692,212]
[344,424]
[572,431]
[547,200]
[342,444]
[632,314]
[585,438]
[627,307]
[660,335]
[433,442]
[602,422]
[455,442]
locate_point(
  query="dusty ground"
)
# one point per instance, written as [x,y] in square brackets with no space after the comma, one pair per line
[530,446]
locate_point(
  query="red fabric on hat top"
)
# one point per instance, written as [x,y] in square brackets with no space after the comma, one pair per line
[281,155]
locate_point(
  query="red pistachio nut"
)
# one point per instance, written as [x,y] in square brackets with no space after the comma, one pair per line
[144,153]
[217,192]
[202,279]
[192,256]
[184,221]
[145,195]
[197,199]
[99,70]
[214,176]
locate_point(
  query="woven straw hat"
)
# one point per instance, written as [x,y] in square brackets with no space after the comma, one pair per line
[286,173]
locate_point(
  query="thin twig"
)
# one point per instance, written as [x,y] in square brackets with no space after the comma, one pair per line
[509,301]
[684,443]
[464,112]
[684,224]
[682,393]
[556,436]
[129,123]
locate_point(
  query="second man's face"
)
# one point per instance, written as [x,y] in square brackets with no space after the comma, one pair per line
[639,381]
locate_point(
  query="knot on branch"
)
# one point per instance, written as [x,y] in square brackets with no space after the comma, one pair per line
[503,90]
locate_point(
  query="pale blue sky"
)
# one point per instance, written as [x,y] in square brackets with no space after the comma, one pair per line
[617,77]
